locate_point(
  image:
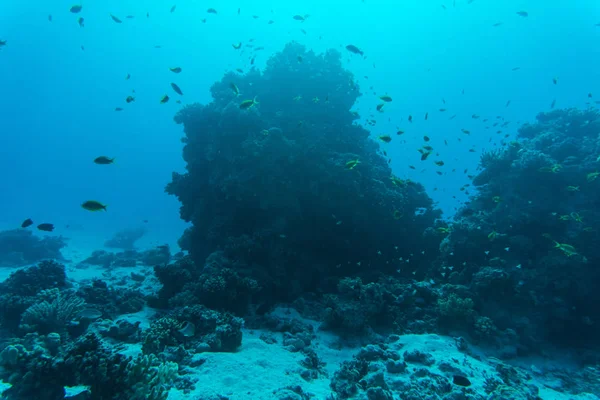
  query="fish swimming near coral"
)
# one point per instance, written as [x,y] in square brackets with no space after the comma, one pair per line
[93,205]
[246,104]
[46,227]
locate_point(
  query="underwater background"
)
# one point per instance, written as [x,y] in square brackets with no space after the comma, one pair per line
[375,187]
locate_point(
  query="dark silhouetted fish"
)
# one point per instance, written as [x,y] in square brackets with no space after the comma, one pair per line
[176,89]
[353,49]
[46,227]
[76,8]
[26,223]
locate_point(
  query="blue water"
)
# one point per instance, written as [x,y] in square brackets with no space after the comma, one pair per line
[57,104]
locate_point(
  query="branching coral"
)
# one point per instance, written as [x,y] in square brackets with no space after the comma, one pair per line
[52,312]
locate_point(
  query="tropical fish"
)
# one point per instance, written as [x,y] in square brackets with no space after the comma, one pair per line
[211,11]
[386,98]
[93,205]
[26,223]
[246,104]
[164,99]
[46,227]
[76,8]
[234,88]
[103,160]
[175,69]
[176,89]
[117,20]
[130,99]
[352,164]
[385,138]
[353,49]
[237,45]
[81,22]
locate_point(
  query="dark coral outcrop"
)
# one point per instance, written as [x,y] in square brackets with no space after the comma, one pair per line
[272,189]
[526,246]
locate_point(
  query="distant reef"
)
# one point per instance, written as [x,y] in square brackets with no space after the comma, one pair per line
[21,247]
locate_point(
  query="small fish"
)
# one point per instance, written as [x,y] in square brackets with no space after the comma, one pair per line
[555,80]
[237,45]
[127,77]
[352,164]
[426,138]
[426,116]
[497,24]
[516,68]
[118,109]
[103,160]
[410,118]
[300,18]
[461,380]
[117,20]
[81,22]
[26,223]
[385,138]
[173,8]
[93,205]
[2,43]
[353,49]
[211,11]
[246,104]
[553,103]
[522,14]
[130,16]
[235,89]
[76,8]
[176,89]
[399,132]
[175,69]
[380,106]
[386,98]
[130,99]
[46,227]
[507,103]
[164,99]
[439,163]
[49,18]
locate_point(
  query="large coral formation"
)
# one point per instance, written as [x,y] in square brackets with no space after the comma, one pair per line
[269,187]
[526,245]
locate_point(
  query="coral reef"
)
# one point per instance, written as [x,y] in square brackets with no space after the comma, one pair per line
[525,247]
[19,291]
[291,192]
[22,247]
